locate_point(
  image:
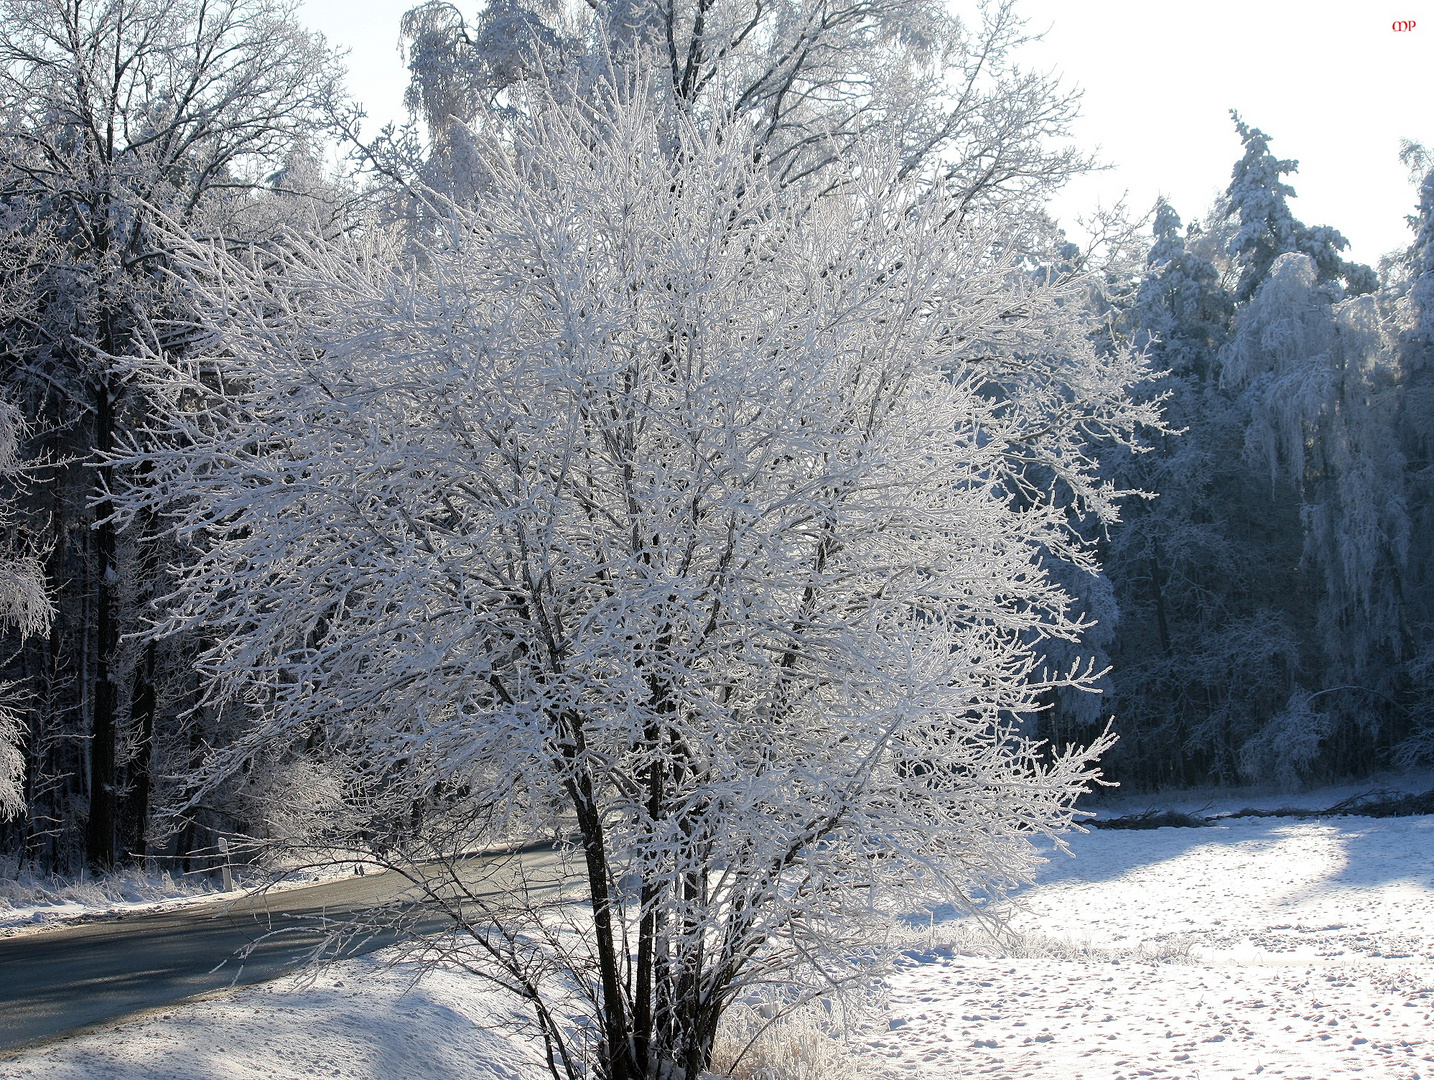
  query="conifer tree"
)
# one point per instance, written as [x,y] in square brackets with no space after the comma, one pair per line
[1206,645]
[1317,378]
[1268,229]
[1264,590]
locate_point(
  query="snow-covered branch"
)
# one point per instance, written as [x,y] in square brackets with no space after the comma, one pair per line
[665,496]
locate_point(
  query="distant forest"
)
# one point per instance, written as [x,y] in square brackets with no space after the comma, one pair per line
[1267,610]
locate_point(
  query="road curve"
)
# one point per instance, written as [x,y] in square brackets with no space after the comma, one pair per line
[57,981]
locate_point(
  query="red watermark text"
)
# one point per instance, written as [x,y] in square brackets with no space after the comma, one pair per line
[1401,25]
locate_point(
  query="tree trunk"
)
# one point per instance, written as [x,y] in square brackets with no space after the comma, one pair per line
[137,791]
[1161,619]
[616,1060]
[100,831]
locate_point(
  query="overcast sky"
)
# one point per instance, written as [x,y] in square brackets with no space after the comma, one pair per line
[1333,85]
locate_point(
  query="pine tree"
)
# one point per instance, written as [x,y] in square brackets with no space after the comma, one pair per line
[1206,641]
[1263,590]
[1257,197]
[1181,312]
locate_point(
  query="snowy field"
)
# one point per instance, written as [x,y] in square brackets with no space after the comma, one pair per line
[1263,947]
[1270,947]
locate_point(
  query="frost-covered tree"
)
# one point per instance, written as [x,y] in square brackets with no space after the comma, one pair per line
[1203,571]
[1105,265]
[1421,286]
[1416,433]
[1417,344]
[1319,380]
[120,120]
[1268,229]
[1181,312]
[23,602]
[1264,591]
[24,606]
[658,492]
[807,80]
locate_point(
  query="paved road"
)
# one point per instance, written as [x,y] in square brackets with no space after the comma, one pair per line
[56,981]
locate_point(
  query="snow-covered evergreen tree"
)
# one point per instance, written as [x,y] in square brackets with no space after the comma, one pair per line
[1319,377]
[1257,197]
[1204,570]
[1181,314]
[1416,432]
[1265,591]
[1417,355]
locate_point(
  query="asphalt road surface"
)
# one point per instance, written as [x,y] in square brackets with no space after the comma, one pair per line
[57,981]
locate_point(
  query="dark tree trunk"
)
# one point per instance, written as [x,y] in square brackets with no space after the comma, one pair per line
[137,791]
[1162,620]
[618,1063]
[100,831]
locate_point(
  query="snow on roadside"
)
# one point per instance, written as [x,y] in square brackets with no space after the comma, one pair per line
[33,902]
[357,1020]
[1268,947]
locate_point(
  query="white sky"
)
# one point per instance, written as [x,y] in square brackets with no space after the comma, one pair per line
[1332,84]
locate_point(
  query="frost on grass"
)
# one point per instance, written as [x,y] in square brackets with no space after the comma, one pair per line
[30,898]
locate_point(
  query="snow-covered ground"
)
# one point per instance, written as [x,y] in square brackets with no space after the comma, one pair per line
[1268,947]
[30,902]
[358,1020]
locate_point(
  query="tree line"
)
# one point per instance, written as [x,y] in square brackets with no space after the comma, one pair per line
[691,429]
[1271,599]
[1261,614]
